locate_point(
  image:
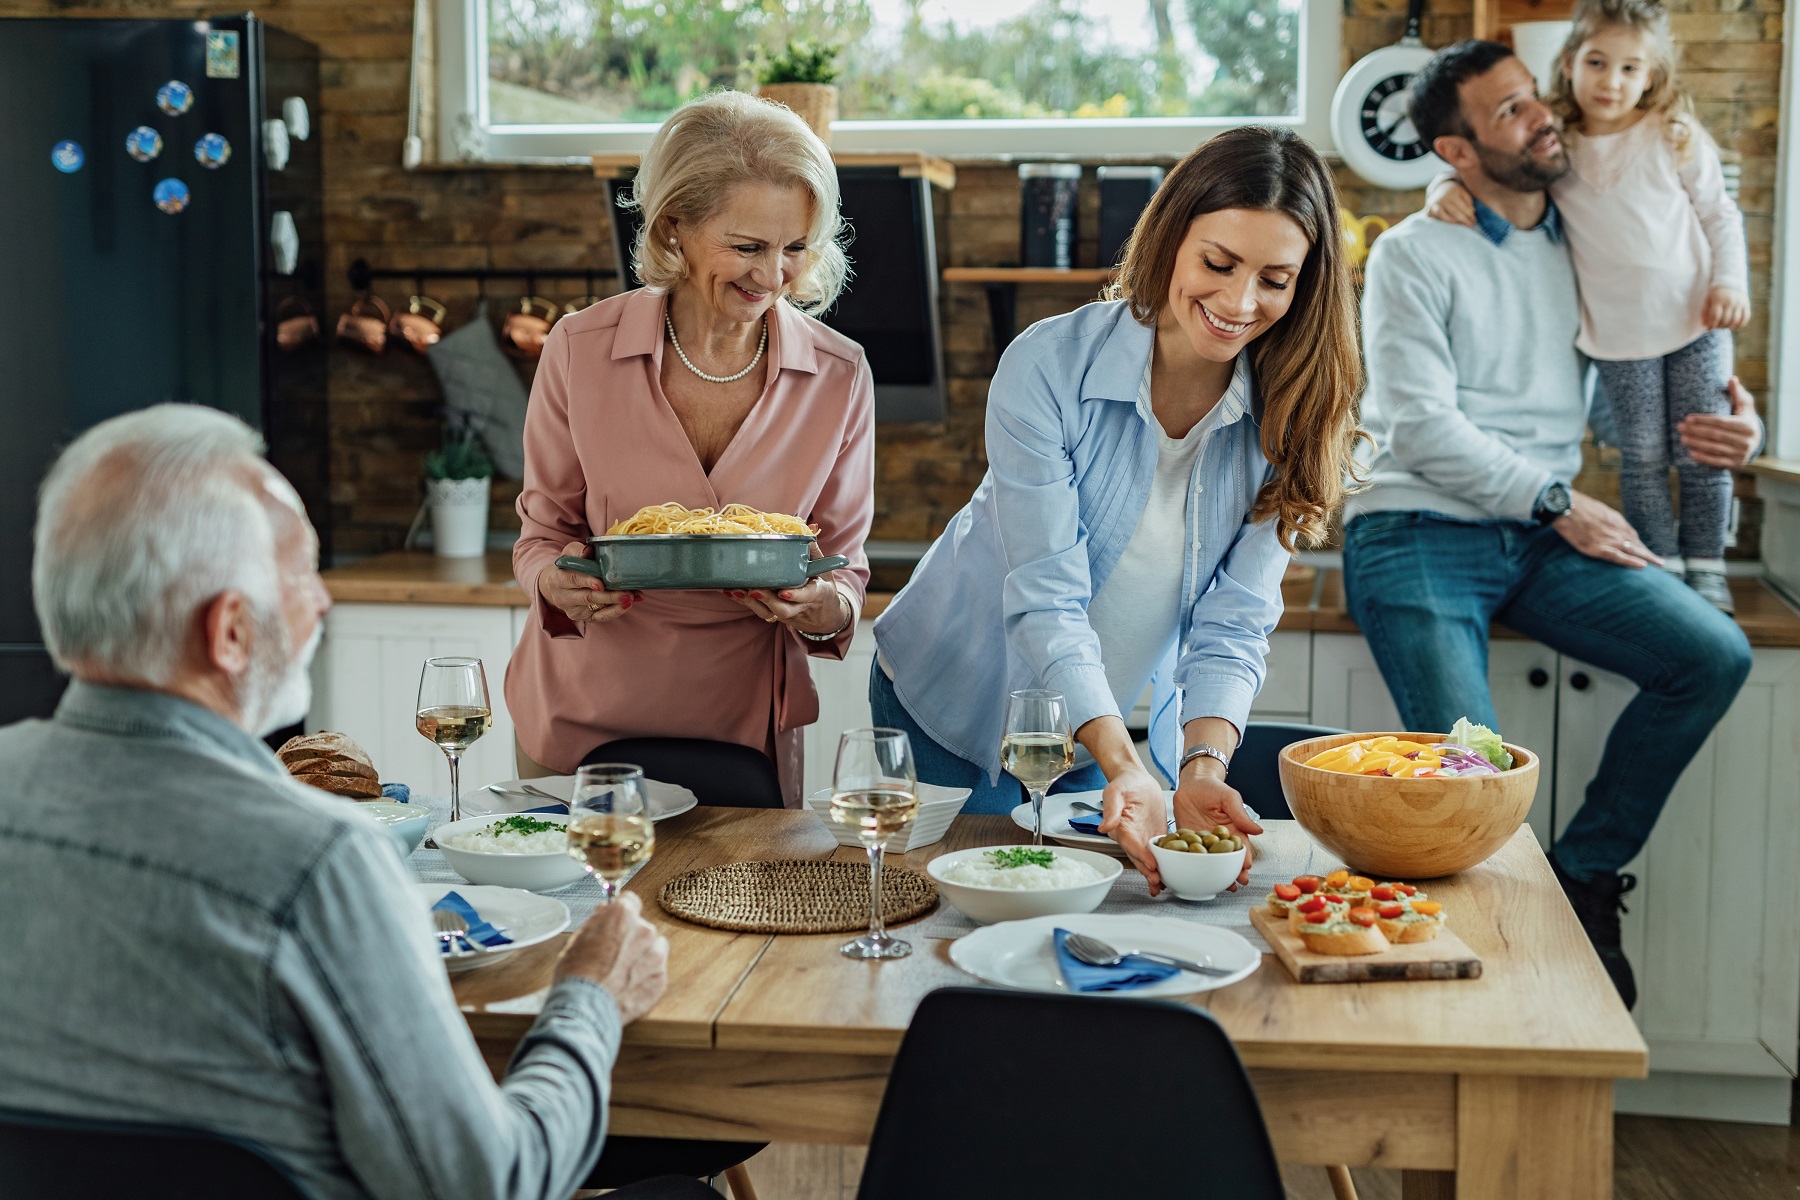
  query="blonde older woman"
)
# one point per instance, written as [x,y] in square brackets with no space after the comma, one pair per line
[709,386]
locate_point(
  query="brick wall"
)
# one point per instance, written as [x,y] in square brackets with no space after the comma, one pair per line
[384,411]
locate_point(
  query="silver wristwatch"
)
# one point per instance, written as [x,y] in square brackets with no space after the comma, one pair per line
[1203,750]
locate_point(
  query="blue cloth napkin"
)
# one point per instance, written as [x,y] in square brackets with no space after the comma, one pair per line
[1131,973]
[479,929]
[1087,823]
[397,792]
[559,808]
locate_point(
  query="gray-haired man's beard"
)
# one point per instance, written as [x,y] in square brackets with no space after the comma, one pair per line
[277,691]
[1519,171]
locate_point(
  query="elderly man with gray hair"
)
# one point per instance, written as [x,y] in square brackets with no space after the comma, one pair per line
[195,939]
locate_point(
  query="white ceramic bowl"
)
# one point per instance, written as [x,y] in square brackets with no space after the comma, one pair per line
[938,806]
[533,872]
[405,823]
[990,905]
[1197,876]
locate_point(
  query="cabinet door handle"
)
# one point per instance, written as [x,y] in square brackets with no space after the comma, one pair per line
[1538,677]
[1579,681]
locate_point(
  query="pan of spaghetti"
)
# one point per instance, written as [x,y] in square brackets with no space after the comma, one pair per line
[669,546]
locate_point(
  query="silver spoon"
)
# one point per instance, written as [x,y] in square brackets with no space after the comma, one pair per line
[1096,953]
[524,790]
[1084,806]
[452,928]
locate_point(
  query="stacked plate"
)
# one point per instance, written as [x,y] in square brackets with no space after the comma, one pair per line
[938,806]
[1058,808]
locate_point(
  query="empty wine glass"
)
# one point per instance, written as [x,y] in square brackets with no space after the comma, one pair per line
[1038,748]
[610,832]
[875,789]
[453,711]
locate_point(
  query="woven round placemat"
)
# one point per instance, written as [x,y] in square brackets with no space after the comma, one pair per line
[794,896]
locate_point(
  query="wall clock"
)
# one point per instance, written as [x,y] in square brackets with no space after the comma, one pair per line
[1374,136]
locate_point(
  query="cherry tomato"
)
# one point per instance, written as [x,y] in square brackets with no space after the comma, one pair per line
[1308,883]
[1336,899]
[1383,892]
[1391,912]
[1360,883]
[1363,916]
[1286,891]
[1407,889]
[1430,908]
[1338,878]
[1315,905]
[1318,918]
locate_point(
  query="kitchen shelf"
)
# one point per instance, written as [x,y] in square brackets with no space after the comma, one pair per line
[1027,274]
[1002,290]
[911,165]
[1494,19]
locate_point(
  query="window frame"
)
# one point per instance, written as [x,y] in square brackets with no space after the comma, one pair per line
[465,135]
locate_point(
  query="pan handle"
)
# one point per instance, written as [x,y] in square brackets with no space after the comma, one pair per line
[583,566]
[818,566]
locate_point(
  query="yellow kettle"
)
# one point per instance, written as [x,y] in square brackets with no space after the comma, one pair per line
[1359,234]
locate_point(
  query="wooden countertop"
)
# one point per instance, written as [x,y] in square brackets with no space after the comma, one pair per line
[1314,598]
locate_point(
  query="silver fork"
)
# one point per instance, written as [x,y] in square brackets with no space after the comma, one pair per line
[525,790]
[451,929]
[1096,953]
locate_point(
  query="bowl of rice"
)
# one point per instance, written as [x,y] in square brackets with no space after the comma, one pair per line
[1012,883]
[520,850]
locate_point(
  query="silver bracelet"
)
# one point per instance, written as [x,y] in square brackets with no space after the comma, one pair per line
[849,616]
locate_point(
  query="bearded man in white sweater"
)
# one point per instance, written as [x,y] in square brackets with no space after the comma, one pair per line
[1477,406]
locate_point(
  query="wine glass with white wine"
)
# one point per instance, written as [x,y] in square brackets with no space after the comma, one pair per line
[875,789]
[454,712]
[610,832]
[1038,748]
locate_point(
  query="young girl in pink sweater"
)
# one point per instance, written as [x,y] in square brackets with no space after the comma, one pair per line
[1658,249]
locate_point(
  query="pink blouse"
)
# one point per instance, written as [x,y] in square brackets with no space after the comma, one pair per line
[602,442]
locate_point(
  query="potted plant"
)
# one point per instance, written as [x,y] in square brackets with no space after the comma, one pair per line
[458,476]
[800,76]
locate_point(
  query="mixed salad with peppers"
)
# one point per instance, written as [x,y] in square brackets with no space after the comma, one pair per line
[1468,749]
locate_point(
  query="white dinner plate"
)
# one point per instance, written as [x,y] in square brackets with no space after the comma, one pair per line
[525,917]
[1059,808]
[1021,954]
[666,799]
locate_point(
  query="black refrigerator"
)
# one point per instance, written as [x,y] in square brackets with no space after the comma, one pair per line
[162,221]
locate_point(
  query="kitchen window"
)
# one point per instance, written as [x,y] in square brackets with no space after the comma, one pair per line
[554,79]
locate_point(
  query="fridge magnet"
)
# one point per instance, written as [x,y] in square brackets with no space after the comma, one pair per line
[67,157]
[171,195]
[222,54]
[174,97]
[143,143]
[212,151]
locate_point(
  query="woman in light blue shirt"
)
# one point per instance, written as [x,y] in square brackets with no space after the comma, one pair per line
[1147,482]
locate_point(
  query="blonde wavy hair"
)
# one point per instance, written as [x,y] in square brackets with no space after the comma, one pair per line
[1308,367]
[1663,97]
[719,142]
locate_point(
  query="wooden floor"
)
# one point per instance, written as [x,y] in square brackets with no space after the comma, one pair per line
[1654,1159]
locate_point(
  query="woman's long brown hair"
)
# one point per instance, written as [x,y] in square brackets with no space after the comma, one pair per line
[1308,369]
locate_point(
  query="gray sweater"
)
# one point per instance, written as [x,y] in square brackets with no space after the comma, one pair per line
[1475,396]
[195,939]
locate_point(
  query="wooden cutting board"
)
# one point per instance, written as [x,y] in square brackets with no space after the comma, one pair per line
[1444,957]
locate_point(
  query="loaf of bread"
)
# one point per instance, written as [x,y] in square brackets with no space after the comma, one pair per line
[331,762]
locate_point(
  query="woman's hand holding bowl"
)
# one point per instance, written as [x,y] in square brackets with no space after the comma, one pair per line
[582,598]
[1134,816]
[816,606]
[1204,800]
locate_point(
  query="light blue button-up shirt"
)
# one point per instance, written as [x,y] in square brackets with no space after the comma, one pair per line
[1000,601]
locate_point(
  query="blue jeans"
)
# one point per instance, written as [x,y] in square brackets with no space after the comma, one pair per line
[1424,589]
[946,768]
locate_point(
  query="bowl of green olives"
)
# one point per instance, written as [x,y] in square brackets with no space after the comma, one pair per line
[1199,864]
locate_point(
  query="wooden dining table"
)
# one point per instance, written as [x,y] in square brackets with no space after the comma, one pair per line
[1496,1088]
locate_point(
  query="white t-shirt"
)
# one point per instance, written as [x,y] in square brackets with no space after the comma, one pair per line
[1137,612]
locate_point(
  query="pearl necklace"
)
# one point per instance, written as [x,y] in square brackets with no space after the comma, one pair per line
[689,364]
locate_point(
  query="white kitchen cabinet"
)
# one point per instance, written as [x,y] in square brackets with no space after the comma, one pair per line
[1348,692]
[1711,929]
[366,684]
[843,704]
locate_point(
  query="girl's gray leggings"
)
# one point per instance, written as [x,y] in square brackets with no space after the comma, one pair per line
[1650,396]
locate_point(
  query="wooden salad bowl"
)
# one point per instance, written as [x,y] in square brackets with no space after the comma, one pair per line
[1407,829]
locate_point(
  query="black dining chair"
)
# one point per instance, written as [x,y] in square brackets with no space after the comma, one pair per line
[1002,1095]
[1253,767]
[48,1157]
[45,1157]
[720,774]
